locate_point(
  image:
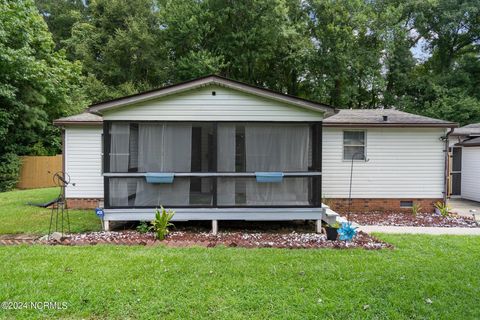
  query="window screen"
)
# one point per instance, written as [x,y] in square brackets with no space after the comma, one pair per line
[354,145]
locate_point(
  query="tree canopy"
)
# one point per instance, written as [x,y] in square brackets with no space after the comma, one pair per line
[418,56]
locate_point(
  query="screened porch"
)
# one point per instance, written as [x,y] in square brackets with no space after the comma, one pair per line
[208,167]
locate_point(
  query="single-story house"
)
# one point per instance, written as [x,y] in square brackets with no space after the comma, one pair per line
[465,162]
[218,149]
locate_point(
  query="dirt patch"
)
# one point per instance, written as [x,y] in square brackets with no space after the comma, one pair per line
[290,240]
[406,219]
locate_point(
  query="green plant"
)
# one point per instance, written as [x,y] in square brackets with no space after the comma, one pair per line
[9,171]
[335,225]
[443,208]
[142,227]
[416,208]
[161,222]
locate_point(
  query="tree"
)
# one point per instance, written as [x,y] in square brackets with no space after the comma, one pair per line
[37,83]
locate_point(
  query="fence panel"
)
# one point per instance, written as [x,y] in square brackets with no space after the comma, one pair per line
[38,171]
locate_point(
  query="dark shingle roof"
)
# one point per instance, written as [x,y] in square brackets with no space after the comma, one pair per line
[468,130]
[82,118]
[375,118]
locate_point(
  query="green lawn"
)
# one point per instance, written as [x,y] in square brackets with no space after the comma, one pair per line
[17,217]
[188,283]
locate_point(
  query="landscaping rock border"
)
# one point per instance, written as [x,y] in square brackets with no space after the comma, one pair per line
[293,240]
[406,219]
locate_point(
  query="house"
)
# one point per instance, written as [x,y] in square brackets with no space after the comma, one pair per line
[218,149]
[399,160]
[465,162]
[212,148]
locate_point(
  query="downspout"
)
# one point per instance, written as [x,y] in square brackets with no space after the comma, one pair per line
[447,171]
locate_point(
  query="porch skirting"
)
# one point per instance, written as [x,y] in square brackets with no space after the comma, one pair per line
[387,205]
[247,214]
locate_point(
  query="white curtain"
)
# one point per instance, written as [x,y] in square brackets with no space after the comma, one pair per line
[277,147]
[226,163]
[119,158]
[164,147]
[119,147]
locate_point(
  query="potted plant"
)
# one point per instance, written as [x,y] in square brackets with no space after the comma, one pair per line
[332,231]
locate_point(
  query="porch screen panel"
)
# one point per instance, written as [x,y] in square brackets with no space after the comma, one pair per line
[163,147]
[226,162]
[119,147]
[277,147]
[119,159]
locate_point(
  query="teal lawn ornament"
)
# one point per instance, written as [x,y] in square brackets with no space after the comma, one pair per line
[347,232]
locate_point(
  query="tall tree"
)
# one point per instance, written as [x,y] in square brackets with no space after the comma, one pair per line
[37,83]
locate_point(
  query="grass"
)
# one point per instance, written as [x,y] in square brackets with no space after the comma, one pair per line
[18,217]
[122,282]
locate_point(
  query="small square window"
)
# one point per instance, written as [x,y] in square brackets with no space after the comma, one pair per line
[406,204]
[354,145]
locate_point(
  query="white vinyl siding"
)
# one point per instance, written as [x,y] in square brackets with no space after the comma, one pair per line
[401,163]
[83,161]
[471,173]
[225,105]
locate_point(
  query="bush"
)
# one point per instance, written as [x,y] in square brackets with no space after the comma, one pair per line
[9,171]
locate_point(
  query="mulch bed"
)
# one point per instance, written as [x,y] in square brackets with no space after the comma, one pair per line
[292,240]
[406,219]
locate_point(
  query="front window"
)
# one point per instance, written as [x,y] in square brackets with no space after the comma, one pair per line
[354,145]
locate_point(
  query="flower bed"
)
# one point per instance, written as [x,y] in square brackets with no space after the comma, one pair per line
[406,219]
[229,239]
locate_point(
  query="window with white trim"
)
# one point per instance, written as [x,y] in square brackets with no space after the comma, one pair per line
[354,145]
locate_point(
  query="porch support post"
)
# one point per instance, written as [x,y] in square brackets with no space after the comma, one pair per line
[318,226]
[106,225]
[214,227]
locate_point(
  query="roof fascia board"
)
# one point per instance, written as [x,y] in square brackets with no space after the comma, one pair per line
[391,125]
[204,82]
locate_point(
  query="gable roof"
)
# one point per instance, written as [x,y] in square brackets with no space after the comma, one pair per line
[468,130]
[375,118]
[205,81]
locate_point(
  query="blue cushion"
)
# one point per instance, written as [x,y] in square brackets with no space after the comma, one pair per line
[159,177]
[264,177]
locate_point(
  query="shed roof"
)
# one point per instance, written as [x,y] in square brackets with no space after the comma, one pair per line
[475,142]
[375,118]
[86,118]
[468,130]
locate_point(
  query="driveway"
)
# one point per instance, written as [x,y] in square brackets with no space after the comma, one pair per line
[464,207]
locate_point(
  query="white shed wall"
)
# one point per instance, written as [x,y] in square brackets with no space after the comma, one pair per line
[225,105]
[403,163]
[471,173]
[83,161]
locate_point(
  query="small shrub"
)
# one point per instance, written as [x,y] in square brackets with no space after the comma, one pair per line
[161,223]
[416,209]
[9,171]
[443,208]
[142,227]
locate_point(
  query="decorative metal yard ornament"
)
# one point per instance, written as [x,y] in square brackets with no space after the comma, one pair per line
[100,213]
[59,208]
[347,231]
